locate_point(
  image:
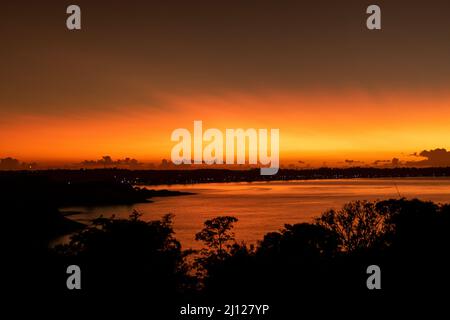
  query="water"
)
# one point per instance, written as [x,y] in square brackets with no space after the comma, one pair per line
[262,207]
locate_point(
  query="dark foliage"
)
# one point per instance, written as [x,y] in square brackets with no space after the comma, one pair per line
[324,264]
[131,264]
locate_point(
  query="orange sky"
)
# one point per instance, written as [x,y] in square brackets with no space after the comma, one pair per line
[313,127]
[137,70]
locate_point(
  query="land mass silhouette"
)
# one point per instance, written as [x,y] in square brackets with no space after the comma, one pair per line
[318,267]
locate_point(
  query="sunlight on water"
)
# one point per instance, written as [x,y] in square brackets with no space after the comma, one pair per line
[262,207]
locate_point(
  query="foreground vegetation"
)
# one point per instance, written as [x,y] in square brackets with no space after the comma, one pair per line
[319,263]
[136,265]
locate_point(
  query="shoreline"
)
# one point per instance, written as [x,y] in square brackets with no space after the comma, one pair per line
[297,180]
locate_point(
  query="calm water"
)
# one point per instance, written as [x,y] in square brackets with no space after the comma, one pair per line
[266,206]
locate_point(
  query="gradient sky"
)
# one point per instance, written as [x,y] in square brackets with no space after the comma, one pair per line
[140,69]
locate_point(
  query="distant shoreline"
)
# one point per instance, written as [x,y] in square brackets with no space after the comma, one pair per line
[299,180]
[195,176]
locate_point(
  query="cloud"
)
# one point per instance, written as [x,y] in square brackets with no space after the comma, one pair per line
[107,161]
[352,161]
[377,162]
[395,162]
[14,164]
[436,157]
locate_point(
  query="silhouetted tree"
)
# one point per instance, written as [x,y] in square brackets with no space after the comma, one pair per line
[217,233]
[303,240]
[358,225]
[133,255]
[210,261]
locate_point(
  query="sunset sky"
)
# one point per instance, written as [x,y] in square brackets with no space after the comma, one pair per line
[140,69]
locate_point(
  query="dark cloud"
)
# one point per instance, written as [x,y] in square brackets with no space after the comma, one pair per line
[396,162]
[348,161]
[436,157]
[15,164]
[378,162]
[107,161]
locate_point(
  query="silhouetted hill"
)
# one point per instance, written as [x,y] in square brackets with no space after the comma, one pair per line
[76,187]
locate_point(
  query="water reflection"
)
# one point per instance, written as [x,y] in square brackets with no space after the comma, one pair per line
[266,206]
